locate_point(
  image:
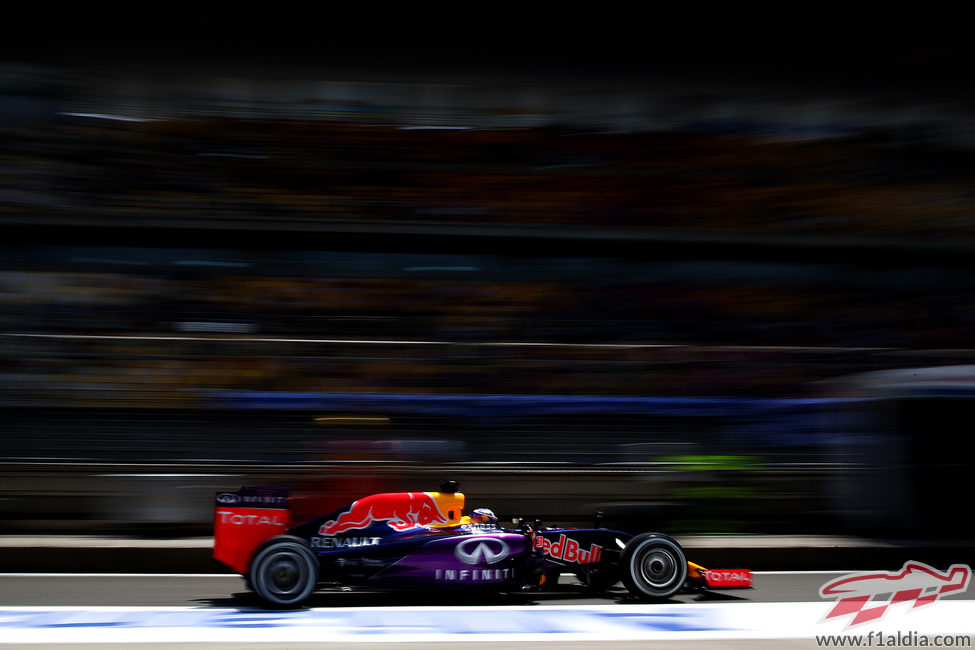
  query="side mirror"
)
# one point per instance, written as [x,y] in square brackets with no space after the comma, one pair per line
[449,487]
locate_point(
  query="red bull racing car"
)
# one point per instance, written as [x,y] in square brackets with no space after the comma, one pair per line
[422,540]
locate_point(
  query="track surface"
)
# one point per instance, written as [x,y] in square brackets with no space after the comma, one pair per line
[229,591]
[222,597]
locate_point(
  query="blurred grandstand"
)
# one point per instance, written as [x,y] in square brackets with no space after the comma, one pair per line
[639,296]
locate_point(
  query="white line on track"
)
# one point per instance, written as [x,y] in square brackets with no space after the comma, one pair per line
[699,621]
[808,573]
[119,575]
[234,575]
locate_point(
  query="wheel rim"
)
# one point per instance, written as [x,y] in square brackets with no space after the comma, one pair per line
[658,568]
[283,575]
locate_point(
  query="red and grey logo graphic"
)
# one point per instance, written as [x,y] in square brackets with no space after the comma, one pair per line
[867,595]
[400,510]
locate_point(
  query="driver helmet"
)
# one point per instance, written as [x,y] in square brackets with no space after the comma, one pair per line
[483,516]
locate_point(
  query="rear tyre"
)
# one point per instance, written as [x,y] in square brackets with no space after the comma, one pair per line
[653,566]
[284,572]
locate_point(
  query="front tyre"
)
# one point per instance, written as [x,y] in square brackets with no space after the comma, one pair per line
[284,572]
[653,566]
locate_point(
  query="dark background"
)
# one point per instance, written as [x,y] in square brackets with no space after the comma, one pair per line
[771,257]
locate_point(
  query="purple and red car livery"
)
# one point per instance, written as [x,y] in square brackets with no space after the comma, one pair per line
[422,540]
[399,510]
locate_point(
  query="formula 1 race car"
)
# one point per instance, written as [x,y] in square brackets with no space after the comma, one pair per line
[422,540]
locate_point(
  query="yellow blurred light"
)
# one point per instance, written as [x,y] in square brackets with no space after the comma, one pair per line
[352,419]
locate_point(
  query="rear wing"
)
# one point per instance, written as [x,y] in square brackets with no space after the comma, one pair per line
[245,518]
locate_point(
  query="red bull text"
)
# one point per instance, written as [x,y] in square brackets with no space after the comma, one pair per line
[399,510]
[568,550]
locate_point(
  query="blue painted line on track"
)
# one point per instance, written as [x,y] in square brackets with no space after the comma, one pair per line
[367,622]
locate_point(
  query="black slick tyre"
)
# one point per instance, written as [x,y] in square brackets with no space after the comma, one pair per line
[284,572]
[653,566]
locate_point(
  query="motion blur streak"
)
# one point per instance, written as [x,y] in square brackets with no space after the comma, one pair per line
[716,280]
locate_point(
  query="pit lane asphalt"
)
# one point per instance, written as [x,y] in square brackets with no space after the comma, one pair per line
[229,591]
[94,554]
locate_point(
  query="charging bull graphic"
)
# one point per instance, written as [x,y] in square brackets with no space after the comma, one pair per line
[400,510]
[916,581]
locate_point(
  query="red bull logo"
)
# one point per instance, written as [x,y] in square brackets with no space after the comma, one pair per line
[568,550]
[916,582]
[399,510]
